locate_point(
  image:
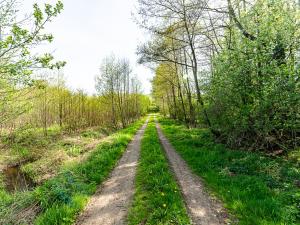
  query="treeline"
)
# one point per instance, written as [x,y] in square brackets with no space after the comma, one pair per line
[33,96]
[121,91]
[50,103]
[231,65]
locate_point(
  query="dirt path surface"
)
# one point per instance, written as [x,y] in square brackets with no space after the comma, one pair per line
[110,203]
[202,209]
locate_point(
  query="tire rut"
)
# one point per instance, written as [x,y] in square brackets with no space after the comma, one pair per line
[109,206]
[201,207]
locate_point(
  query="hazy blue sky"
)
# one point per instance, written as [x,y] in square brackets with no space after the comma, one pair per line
[89,30]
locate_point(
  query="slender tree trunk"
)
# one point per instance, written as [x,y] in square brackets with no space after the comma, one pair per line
[195,70]
[169,107]
[178,84]
[189,94]
[45,112]
[174,102]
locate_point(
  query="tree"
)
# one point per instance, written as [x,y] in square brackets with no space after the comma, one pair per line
[119,90]
[238,59]
[16,43]
[253,93]
[175,21]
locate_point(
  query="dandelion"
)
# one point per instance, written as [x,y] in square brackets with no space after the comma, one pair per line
[164,205]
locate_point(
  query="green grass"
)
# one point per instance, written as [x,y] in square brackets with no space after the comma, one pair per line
[157,199]
[27,144]
[60,199]
[28,137]
[257,189]
[40,157]
[91,134]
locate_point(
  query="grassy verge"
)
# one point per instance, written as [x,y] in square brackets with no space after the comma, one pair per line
[256,188]
[60,199]
[40,156]
[27,144]
[157,199]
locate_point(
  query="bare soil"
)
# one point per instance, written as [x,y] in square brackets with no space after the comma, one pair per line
[109,206]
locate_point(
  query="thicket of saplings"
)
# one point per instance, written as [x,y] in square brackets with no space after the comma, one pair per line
[45,108]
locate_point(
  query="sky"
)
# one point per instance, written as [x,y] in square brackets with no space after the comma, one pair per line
[88,31]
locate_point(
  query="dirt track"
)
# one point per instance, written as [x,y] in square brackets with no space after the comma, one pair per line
[111,202]
[109,206]
[202,209]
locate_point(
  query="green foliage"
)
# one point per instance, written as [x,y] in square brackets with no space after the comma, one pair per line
[255,188]
[21,151]
[247,69]
[153,108]
[74,150]
[254,92]
[19,41]
[17,60]
[63,214]
[11,204]
[91,133]
[157,199]
[294,155]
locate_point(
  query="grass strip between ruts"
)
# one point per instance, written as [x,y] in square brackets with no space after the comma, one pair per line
[157,199]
